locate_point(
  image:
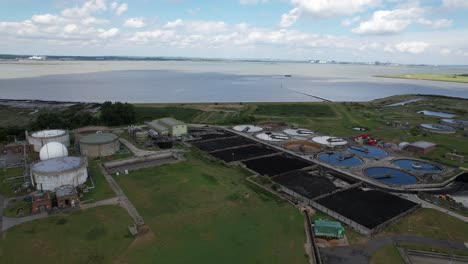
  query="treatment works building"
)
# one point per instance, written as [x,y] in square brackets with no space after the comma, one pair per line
[168,126]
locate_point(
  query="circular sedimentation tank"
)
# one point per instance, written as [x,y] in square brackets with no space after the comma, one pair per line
[248,128]
[417,166]
[273,137]
[99,145]
[390,175]
[40,138]
[301,132]
[53,173]
[438,128]
[84,131]
[302,146]
[340,159]
[454,122]
[330,141]
[368,152]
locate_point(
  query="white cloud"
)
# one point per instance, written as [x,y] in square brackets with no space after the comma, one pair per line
[70,28]
[135,22]
[290,18]
[46,19]
[395,21]
[114,5]
[330,8]
[88,8]
[454,4]
[415,47]
[349,21]
[111,33]
[197,26]
[121,9]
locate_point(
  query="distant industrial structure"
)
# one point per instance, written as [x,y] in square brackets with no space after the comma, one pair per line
[168,127]
[421,147]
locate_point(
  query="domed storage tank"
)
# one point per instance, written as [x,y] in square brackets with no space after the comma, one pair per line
[99,145]
[40,138]
[53,173]
[53,150]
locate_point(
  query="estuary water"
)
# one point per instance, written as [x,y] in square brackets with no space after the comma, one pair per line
[224,81]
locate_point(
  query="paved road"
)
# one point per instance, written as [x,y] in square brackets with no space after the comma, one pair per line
[359,254]
[110,201]
[9,222]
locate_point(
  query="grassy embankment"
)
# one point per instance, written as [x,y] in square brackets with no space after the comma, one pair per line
[7,188]
[387,255]
[461,78]
[97,235]
[201,211]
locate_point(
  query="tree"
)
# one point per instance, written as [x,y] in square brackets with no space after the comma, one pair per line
[114,114]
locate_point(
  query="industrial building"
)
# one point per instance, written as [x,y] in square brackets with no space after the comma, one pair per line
[168,126]
[421,147]
[66,196]
[47,175]
[41,202]
[40,138]
[99,145]
[328,229]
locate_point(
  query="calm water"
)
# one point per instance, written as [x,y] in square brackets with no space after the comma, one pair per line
[145,82]
[390,175]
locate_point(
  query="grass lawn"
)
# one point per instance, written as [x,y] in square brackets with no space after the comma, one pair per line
[431,223]
[12,210]
[7,188]
[432,77]
[386,255]
[201,211]
[97,235]
[102,190]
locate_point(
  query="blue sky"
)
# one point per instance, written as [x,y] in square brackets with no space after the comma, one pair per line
[431,31]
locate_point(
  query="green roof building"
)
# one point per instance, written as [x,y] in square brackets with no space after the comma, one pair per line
[331,229]
[168,126]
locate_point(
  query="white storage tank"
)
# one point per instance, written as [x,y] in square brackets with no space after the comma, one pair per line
[40,138]
[53,173]
[53,150]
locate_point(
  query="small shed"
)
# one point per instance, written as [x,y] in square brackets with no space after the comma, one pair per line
[328,229]
[421,147]
[41,202]
[67,196]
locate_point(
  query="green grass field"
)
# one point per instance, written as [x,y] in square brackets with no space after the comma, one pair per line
[432,77]
[201,211]
[102,189]
[97,235]
[295,109]
[387,255]
[431,223]
[7,188]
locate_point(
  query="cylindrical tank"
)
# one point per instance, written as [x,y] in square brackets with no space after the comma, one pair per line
[141,136]
[40,138]
[53,173]
[99,145]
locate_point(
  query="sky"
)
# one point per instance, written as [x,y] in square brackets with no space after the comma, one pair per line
[412,32]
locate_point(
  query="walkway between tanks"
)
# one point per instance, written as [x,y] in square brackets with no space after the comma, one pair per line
[123,200]
[362,253]
[138,152]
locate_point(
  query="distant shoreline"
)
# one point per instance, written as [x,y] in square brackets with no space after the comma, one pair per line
[429,77]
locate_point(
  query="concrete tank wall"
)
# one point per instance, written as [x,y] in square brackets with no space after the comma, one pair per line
[100,150]
[38,142]
[50,181]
